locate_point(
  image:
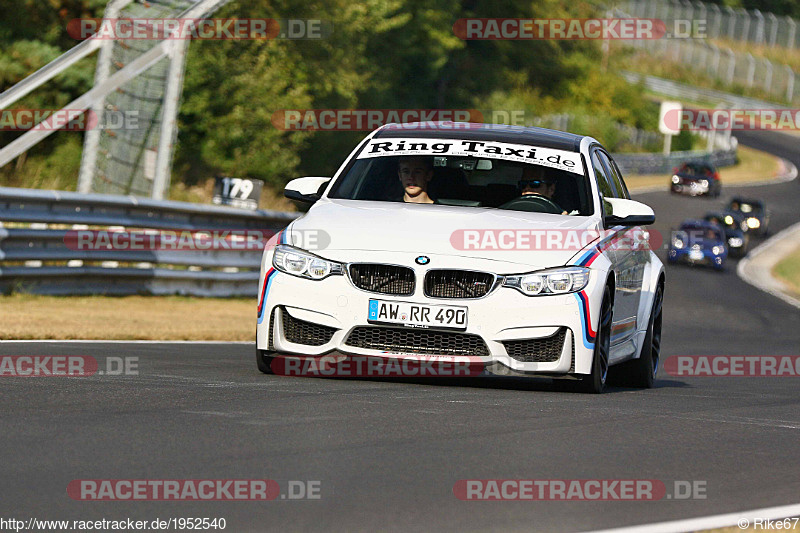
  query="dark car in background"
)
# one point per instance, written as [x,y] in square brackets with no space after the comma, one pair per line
[698,242]
[731,223]
[755,213]
[696,178]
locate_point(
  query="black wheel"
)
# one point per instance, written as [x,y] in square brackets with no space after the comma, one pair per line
[264,361]
[595,383]
[641,372]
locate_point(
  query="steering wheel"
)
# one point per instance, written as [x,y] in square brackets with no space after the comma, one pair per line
[534,203]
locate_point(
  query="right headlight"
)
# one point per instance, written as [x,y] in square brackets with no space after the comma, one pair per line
[297,262]
[677,243]
[676,179]
[545,282]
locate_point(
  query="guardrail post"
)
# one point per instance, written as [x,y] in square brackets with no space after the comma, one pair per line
[688,10]
[789,84]
[731,21]
[751,69]
[715,60]
[717,21]
[731,65]
[792,32]
[768,76]
[759,27]
[746,25]
[773,29]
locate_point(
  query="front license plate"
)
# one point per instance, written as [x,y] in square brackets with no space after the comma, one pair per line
[696,255]
[417,315]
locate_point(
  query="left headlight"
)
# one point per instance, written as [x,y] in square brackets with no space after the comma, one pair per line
[302,264]
[544,282]
[717,250]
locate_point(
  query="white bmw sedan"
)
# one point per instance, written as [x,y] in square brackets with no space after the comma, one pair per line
[516,249]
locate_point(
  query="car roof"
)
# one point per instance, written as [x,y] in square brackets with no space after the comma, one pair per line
[699,223]
[557,140]
[742,200]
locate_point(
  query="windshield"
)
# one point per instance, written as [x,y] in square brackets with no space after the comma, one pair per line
[468,173]
[698,233]
[724,221]
[695,169]
[745,207]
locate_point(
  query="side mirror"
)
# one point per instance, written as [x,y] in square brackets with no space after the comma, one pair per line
[306,190]
[624,212]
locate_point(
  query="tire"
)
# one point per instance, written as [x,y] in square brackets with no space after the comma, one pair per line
[595,383]
[264,361]
[641,373]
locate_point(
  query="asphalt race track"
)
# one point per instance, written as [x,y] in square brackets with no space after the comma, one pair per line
[388,453]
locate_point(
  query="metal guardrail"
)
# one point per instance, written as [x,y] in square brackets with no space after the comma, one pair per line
[663,164]
[35,256]
[723,22]
[698,94]
[776,79]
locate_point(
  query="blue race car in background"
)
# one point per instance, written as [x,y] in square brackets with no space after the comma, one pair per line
[732,224]
[699,242]
[755,213]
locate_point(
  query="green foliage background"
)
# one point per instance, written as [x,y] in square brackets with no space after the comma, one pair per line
[381,54]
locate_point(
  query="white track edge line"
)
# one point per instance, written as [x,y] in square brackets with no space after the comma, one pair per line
[711,522]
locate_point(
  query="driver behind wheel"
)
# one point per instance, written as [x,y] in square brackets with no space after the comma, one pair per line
[534,182]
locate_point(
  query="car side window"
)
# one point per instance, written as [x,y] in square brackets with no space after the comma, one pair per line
[616,175]
[601,174]
[618,189]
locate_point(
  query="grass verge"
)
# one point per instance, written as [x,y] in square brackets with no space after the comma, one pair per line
[754,165]
[26,316]
[788,271]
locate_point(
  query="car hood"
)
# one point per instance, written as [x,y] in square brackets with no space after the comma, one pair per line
[345,225]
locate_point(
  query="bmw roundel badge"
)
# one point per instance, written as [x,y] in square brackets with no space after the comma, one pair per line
[422,260]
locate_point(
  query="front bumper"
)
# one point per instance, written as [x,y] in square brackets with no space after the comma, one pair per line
[690,188]
[335,312]
[685,256]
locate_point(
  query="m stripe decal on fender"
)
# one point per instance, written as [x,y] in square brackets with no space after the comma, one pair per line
[589,335]
[262,304]
[267,282]
[589,257]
